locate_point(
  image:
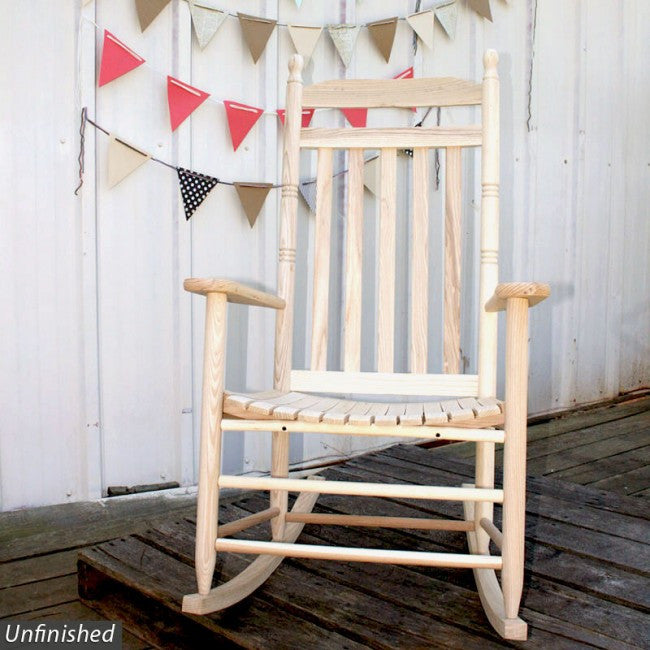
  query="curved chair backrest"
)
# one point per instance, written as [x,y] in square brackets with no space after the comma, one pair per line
[389,93]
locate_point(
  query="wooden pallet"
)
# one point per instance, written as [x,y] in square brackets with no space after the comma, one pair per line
[586,583]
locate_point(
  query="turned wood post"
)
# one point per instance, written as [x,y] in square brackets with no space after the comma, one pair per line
[286,277]
[214,353]
[514,454]
[487,345]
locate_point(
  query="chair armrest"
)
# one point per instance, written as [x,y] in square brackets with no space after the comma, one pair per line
[235,292]
[534,292]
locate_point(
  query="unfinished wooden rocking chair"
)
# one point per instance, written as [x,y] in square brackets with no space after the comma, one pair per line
[297,403]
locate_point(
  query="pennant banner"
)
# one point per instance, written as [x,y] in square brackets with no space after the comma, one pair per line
[304,39]
[148,10]
[422,25]
[406,74]
[256,33]
[383,35]
[482,8]
[371,175]
[356,116]
[183,100]
[308,193]
[206,21]
[194,188]
[307,114]
[252,197]
[447,16]
[345,38]
[123,159]
[241,119]
[117,59]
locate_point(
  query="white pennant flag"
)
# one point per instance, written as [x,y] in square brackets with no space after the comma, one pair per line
[123,159]
[206,21]
[422,25]
[447,16]
[371,175]
[304,39]
[308,193]
[345,38]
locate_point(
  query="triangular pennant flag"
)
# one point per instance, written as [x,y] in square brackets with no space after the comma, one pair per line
[256,33]
[355,116]
[482,8]
[194,188]
[122,160]
[422,24]
[183,99]
[252,196]
[371,175]
[241,119]
[307,114]
[308,193]
[447,16]
[383,35]
[206,21]
[148,10]
[406,74]
[117,59]
[345,38]
[304,39]
[298,3]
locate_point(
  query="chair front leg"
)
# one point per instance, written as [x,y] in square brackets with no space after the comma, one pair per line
[514,454]
[210,451]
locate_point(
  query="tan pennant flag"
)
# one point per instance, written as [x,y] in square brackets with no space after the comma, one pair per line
[256,33]
[345,38]
[206,21]
[304,39]
[482,8]
[371,175]
[447,16]
[422,25]
[252,196]
[383,35]
[148,10]
[123,159]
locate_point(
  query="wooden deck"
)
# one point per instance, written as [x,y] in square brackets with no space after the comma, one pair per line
[587,549]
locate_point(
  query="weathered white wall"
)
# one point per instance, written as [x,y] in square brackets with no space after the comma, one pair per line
[101,348]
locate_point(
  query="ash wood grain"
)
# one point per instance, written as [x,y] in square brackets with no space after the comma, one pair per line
[234,292]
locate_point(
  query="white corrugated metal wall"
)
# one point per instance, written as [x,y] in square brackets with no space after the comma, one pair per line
[101,348]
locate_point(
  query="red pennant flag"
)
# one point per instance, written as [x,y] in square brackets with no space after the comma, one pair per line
[241,119]
[356,116]
[183,100]
[117,59]
[307,114]
[406,74]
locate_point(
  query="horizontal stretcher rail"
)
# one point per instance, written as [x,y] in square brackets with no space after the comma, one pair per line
[398,430]
[378,522]
[225,530]
[494,533]
[346,554]
[352,488]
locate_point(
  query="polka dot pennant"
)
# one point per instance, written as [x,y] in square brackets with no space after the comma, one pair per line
[194,188]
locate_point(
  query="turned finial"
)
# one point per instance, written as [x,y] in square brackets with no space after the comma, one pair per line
[295,67]
[490,60]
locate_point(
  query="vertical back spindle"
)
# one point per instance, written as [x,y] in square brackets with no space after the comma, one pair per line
[353,263]
[451,345]
[386,297]
[321,260]
[420,261]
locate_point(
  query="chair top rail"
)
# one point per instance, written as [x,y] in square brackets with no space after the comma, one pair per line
[378,138]
[384,93]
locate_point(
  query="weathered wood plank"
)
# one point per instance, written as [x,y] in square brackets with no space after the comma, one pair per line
[38,595]
[37,568]
[629,483]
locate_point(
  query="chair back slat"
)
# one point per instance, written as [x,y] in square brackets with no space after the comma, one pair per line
[353,263]
[420,262]
[321,260]
[386,292]
[453,186]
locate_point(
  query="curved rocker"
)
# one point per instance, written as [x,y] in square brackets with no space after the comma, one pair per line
[490,593]
[254,575]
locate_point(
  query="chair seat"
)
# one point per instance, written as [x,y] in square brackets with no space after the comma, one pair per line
[276,405]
